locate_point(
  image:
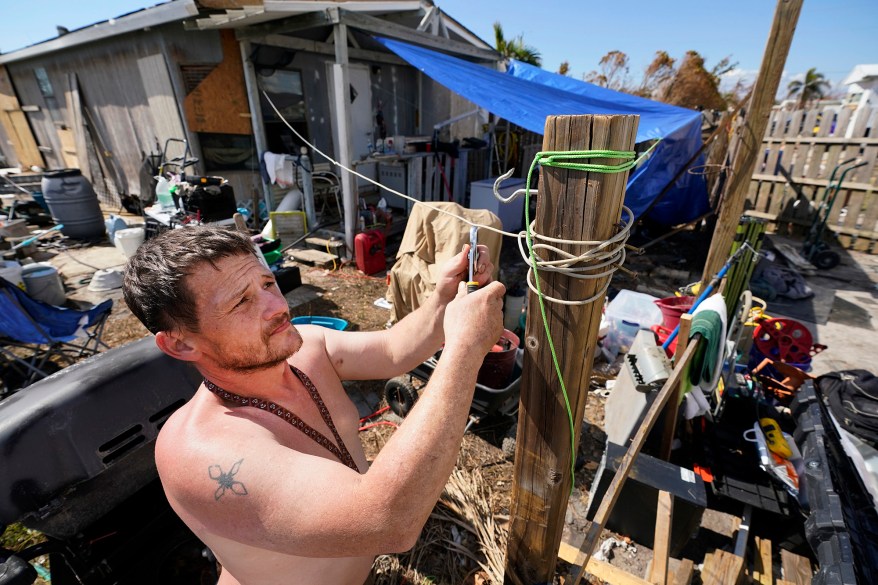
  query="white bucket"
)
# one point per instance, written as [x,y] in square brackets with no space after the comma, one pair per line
[11,272]
[42,282]
[127,241]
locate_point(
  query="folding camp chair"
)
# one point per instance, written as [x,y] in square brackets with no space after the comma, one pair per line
[36,338]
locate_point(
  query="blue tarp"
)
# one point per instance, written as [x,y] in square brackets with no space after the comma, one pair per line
[526,95]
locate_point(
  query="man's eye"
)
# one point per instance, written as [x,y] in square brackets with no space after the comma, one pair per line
[269,284]
[242,301]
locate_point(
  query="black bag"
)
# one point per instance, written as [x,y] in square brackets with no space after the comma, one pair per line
[211,202]
[852,397]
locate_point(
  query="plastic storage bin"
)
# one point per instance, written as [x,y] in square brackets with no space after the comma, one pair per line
[328,322]
[627,314]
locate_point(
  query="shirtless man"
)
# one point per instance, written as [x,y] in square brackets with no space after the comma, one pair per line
[277,483]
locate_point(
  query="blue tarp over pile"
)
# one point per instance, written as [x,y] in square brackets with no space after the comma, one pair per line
[526,95]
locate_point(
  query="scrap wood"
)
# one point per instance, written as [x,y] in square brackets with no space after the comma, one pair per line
[600,569]
[683,574]
[662,540]
[762,571]
[796,569]
[722,568]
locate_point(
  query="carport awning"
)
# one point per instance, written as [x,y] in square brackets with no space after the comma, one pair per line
[526,95]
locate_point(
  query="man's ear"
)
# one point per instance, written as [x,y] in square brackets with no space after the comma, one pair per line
[177,346]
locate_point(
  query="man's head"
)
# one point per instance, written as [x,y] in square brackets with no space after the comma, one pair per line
[155,280]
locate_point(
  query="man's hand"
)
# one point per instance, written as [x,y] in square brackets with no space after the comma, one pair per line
[474,322]
[456,270]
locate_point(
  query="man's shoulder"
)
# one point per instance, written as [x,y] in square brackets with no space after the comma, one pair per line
[194,438]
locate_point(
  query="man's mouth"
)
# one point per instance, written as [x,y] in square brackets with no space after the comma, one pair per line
[281,327]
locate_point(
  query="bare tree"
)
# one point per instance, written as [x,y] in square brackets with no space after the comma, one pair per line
[613,72]
[657,75]
[695,87]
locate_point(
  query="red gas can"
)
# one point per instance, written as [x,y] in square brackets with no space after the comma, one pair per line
[369,251]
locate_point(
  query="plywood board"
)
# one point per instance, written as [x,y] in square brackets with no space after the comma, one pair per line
[68,147]
[219,103]
[16,126]
[796,569]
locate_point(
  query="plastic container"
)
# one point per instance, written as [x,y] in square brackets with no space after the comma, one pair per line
[498,364]
[328,322]
[163,193]
[512,308]
[10,271]
[114,223]
[673,308]
[628,313]
[74,203]
[42,282]
[273,256]
[369,251]
[128,240]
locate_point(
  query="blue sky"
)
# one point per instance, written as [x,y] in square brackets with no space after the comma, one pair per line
[831,36]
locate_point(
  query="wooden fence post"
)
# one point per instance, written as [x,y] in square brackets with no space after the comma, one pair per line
[752,131]
[572,205]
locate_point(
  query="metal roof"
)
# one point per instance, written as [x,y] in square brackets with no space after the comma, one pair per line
[213,14]
[172,11]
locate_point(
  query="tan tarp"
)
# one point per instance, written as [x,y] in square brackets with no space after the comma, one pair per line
[431,238]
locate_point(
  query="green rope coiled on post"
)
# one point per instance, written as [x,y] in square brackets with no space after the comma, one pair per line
[565,160]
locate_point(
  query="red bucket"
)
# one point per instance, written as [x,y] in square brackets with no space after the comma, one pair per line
[673,308]
[497,367]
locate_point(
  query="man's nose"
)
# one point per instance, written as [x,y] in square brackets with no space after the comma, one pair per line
[275,303]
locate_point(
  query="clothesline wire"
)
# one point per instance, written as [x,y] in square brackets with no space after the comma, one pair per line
[569,260]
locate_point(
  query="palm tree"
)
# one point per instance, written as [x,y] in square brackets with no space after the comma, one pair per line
[515,48]
[814,86]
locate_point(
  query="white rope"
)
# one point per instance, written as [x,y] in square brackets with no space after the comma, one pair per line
[607,256]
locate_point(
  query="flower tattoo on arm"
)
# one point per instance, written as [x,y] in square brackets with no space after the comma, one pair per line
[226,480]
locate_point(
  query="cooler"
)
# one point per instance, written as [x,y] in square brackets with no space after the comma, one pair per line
[511,214]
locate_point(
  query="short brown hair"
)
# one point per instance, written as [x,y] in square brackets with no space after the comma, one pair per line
[154,284]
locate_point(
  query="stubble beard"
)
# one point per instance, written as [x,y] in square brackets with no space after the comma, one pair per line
[262,356]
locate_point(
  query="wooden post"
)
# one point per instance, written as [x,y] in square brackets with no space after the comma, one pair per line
[753,129]
[572,205]
[673,407]
[661,547]
[343,147]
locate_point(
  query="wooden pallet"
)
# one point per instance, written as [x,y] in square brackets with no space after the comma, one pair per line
[333,246]
[312,257]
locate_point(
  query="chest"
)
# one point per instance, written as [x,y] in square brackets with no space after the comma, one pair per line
[321,422]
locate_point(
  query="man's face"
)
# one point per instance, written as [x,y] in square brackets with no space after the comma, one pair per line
[243,318]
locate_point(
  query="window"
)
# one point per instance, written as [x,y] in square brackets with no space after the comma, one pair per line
[284,87]
[228,152]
